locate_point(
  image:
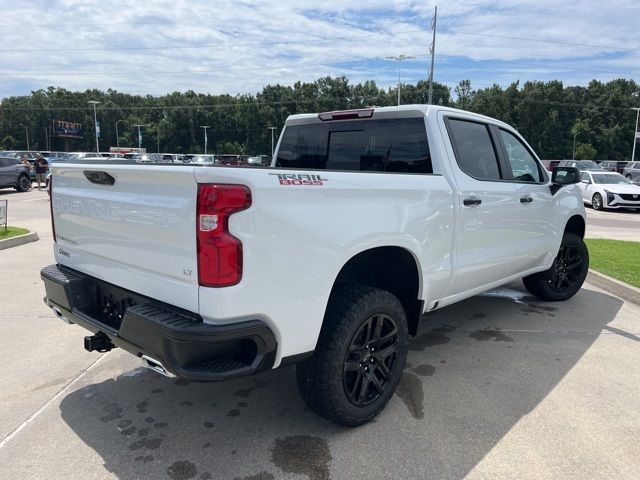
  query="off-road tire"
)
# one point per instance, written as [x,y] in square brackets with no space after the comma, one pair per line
[544,285]
[321,379]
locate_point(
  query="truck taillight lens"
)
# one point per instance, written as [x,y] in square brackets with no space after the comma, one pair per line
[219,252]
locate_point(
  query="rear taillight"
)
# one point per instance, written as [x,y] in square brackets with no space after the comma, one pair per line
[219,252]
[53,224]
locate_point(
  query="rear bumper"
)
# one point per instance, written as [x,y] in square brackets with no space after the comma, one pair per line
[179,340]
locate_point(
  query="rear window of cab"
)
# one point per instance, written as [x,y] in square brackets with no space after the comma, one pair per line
[386,145]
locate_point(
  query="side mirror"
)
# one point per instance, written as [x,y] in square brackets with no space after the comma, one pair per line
[562,176]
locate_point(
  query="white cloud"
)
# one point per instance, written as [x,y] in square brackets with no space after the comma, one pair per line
[316,38]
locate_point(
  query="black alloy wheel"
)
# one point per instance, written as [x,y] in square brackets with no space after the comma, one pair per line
[567,269]
[370,359]
[567,273]
[358,360]
[24,183]
[596,202]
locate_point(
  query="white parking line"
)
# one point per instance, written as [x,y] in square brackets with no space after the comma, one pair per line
[34,200]
[51,400]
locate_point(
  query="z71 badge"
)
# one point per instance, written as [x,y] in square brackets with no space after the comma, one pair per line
[303,179]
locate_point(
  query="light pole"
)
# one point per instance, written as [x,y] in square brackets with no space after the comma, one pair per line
[399,59]
[95,121]
[118,136]
[272,139]
[139,135]
[26,129]
[635,134]
[205,137]
[573,157]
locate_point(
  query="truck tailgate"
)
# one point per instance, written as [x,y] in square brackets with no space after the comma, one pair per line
[130,225]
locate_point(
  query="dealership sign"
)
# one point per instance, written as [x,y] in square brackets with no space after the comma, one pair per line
[62,128]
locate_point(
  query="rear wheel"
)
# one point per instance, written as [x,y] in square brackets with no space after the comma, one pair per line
[563,280]
[23,184]
[359,357]
[628,176]
[596,202]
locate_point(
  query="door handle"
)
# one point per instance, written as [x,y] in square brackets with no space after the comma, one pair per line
[526,199]
[471,202]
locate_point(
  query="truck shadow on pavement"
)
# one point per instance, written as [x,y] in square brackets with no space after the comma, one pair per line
[474,370]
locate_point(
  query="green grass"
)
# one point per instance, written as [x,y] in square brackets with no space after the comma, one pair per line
[11,232]
[617,258]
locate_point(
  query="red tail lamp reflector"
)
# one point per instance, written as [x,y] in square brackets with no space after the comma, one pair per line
[219,252]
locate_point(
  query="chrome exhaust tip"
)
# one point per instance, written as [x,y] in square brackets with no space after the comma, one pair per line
[61,316]
[156,366]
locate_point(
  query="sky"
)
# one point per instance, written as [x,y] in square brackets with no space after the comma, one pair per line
[157,46]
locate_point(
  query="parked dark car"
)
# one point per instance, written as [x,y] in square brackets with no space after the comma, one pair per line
[13,174]
[613,165]
[230,159]
[550,164]
[580,164]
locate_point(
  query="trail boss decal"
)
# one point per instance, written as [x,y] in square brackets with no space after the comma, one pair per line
[303,179]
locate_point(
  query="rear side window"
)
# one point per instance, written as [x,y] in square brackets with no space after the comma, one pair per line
[390,145]
[474,149]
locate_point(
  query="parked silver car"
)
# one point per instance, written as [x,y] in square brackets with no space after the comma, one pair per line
[632,171]
[13,174]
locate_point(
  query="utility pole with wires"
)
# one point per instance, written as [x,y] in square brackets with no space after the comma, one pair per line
[399,59]
[205,137]
[432,51]
[139,135]
[636,134]
[273,129]
[96,124]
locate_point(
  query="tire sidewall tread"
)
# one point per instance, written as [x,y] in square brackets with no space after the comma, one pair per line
[320,378]
[537,284]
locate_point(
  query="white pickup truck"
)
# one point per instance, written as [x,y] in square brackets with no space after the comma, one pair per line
[328,258]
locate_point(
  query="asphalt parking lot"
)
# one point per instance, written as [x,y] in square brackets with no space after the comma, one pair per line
[615,224]
[498,386]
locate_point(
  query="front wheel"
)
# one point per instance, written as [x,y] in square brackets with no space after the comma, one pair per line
[628,176]
[567,274]
[596,202]
[359,357]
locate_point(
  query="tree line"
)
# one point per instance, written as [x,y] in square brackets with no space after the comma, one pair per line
[596,118]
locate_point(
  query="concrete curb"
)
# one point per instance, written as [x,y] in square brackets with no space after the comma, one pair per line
[19,240]
[616,287]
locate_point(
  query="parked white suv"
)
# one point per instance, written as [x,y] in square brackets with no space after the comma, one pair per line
[366,220]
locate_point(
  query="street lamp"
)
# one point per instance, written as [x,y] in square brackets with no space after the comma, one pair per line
[95,121]
[139,135]
[26,129]
[399,59]
[117,136]
[205,137]
[272,138]
[635,134]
